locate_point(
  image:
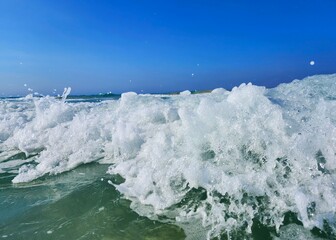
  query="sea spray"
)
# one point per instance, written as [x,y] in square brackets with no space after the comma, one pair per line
[66,93]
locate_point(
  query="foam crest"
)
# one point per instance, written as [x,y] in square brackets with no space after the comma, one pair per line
[221,162]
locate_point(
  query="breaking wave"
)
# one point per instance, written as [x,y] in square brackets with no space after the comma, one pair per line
[218,164]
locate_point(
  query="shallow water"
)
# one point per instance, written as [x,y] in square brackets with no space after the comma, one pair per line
[251,163]
[79,204]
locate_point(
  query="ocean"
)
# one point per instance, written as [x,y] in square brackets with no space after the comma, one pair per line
[250,163]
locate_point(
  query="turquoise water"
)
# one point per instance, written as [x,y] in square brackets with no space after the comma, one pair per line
[250,163]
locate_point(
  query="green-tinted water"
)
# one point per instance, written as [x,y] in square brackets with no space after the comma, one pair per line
[79,204]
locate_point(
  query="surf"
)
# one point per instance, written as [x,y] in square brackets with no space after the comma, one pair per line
[217,164]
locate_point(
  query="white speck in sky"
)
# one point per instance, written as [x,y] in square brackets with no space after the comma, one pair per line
[197,64]
[20,63]
[312,63]
[25,84]
[192,74]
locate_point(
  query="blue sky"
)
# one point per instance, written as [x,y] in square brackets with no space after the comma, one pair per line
[161,46]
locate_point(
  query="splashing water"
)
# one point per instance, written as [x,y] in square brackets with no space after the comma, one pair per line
[220,164]
[66,93]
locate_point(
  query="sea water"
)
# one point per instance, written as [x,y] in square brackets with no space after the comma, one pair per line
[250,163]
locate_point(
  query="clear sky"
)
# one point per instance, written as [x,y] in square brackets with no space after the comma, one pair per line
[159,46]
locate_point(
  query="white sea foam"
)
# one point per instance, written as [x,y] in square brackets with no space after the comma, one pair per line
[216,160]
